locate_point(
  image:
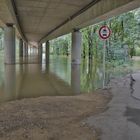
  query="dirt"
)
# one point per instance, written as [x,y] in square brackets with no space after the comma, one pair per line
[52,118]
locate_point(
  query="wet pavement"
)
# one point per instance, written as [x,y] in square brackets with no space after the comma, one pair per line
[122,119]
[135,86]
[30,78]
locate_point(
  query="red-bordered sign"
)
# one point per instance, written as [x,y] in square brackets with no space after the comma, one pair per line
[104,32]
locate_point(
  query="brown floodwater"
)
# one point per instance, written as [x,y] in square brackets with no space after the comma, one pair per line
[30,79]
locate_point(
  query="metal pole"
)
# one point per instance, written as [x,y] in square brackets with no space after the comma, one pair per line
[104,62]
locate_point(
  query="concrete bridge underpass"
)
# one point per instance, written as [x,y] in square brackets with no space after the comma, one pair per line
[38,21]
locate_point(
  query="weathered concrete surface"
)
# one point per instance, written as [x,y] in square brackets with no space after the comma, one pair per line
[99,12]
[37,18]
[76,47]
[5,16]
[122,120]
[9,45]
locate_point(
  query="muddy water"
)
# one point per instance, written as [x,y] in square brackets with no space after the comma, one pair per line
[29,79]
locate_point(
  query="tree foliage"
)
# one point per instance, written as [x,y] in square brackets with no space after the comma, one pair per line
[125,37]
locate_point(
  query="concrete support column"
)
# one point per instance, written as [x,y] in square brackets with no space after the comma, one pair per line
[10,82]
[47,52]
[20,48]
[76,47]
[40,50]
[9,44]
[25,49]
[33,50]
[40,53]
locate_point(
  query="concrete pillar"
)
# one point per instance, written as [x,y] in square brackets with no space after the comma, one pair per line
[30,50]
[75,78]
[20,48]
[40,53]
[9,44]
[76,47]
[25,49]
[47,52]
[40,50]
[33,52]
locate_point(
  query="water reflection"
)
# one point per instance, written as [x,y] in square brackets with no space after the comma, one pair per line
[92,76]
[75,78]
[9,82]
[38,81]
[29,78]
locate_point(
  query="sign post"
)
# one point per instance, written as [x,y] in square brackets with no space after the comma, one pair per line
[104,33]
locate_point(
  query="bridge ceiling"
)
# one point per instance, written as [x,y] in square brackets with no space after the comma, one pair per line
[38,17]
[40,20]
[5,16]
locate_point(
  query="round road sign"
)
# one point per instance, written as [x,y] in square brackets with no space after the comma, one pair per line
[104,32]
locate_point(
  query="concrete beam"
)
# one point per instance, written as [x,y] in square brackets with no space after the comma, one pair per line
[103,10]
[13,10]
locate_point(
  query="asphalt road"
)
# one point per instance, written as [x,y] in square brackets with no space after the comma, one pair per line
[122,119]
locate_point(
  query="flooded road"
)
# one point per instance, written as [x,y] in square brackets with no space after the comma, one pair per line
[29,79]
[63,109]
